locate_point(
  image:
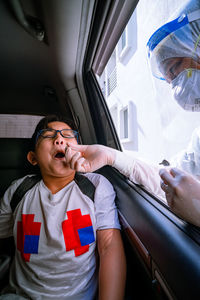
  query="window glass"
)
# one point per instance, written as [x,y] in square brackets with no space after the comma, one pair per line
[124,123]
[123,39]
[111,79]
[18,126]
[147,101]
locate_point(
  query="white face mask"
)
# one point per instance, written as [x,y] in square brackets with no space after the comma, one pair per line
[186,89]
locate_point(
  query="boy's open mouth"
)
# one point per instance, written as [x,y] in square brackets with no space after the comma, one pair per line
[59,155]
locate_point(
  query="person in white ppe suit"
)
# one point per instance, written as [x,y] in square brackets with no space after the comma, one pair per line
[174,54]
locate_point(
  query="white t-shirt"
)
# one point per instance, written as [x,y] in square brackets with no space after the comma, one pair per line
[55,236]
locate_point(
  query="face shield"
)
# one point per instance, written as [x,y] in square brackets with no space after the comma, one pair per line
[174,56]
[179,38]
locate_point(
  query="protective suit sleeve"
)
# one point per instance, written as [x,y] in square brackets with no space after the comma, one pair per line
[189,159]
[140,173]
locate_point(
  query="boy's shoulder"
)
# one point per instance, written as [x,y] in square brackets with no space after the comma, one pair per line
[98,180]
[15,185]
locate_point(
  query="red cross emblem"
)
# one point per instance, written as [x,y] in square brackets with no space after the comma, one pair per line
[78,232]
[28,233]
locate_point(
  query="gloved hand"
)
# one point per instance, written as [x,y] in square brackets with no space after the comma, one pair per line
[89,158]
[182,192]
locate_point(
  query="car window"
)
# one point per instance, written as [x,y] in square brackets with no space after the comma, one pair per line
[150,124]
[18,126]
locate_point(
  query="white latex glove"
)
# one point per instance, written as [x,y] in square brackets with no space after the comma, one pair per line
[89,158]
[182,192]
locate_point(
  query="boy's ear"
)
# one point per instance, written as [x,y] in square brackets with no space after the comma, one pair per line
[32,158]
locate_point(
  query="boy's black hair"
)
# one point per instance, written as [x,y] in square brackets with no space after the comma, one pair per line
[43,124]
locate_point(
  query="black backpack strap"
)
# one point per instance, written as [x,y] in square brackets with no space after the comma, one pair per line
[85,185]
[21,190]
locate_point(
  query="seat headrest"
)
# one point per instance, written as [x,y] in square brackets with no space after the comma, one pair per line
[13,153]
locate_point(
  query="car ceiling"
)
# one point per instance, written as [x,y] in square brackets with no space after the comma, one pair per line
[36,74]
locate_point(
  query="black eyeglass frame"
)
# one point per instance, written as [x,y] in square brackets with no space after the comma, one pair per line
[55,134]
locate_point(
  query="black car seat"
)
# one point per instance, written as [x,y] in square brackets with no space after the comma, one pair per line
[13,165]
[13,162]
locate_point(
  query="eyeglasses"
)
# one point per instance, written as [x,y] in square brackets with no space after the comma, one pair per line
[52,133]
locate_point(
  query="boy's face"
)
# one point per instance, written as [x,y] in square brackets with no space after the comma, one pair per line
[50,153]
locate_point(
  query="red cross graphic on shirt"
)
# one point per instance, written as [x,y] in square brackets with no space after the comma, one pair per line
[28,233]
[78,232]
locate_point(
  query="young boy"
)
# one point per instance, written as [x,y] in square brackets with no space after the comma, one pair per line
[56,227]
